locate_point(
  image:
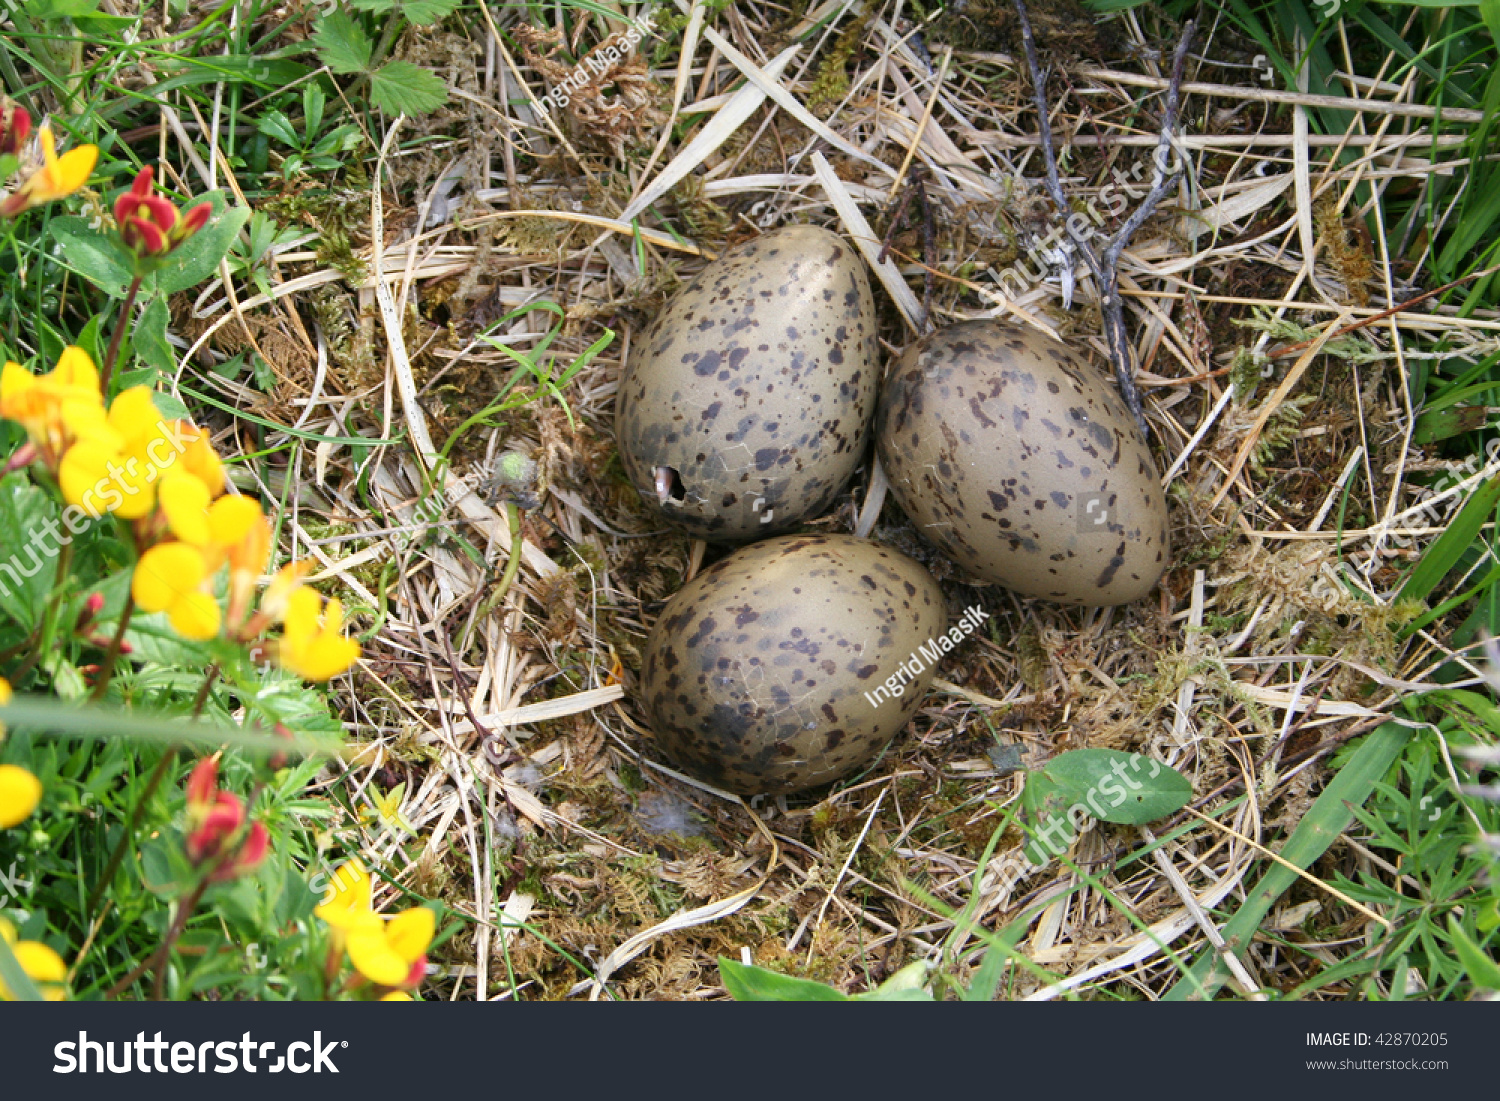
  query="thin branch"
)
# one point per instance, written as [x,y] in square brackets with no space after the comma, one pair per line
[1105,267]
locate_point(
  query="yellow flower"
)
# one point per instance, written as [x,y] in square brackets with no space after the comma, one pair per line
[286,581]
[398,996]
[169,578]
[201,460]
[190,482]
[5,697]
[58,177]
[134,460]
[386,952]
[114,468]
[348,898]
[240,527]
[312,651]
[20,792]
[184,501]
[56,408]
[42,965]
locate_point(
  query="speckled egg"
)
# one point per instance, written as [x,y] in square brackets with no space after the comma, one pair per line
[1022,464]
[746,405]
[792,662]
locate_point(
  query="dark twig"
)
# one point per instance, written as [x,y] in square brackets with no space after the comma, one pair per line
[1105,266]
[112,655]
[110,356]
[916,188]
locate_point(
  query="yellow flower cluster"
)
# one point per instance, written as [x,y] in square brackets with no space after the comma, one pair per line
[388,952]
[42,965]
[164,476]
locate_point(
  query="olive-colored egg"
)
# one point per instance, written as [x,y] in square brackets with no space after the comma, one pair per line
[746,406]
[793,662]
[1023,465]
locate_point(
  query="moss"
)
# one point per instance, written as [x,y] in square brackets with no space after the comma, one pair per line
[831,83]
[334,251]
[1246,370]
[1031,658]
[706,220]
[1280,430]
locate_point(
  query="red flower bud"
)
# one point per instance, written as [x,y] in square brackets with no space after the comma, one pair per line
[86,615]
[15,127]
[218,825]
[251,852]
[150,226]
[217,832]
[194,220]
[203,787]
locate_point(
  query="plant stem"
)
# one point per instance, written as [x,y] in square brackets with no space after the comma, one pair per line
[113,865]
[179,923]
[107,669]
[162,767]
[158,959]
[512,567]
[208,684]
[114,342]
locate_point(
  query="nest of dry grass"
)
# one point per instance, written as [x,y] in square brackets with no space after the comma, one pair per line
[540,808]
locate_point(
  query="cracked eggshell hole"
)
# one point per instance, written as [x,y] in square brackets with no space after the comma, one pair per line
[1020,462]
[746,405]
[759,675]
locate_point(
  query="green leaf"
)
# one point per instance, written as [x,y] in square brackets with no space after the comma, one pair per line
[1124,788]
[1445,551]
[420,12]
[198,257]
[1489,11]
[1322,825]
[1442,424]
[67,679]
[190,71]
[401,88]
[423,12]
[27,554]
[170,406]
[1481,968]
[275,124]
[313,101]
[93,255]
[748,983]
[90,339]
[906,985]
[150,337]
[342,44]
[42,10]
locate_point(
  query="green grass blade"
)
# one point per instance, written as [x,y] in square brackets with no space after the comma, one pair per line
[1446,550]
[14,978]
[1319,828]
[40,714]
